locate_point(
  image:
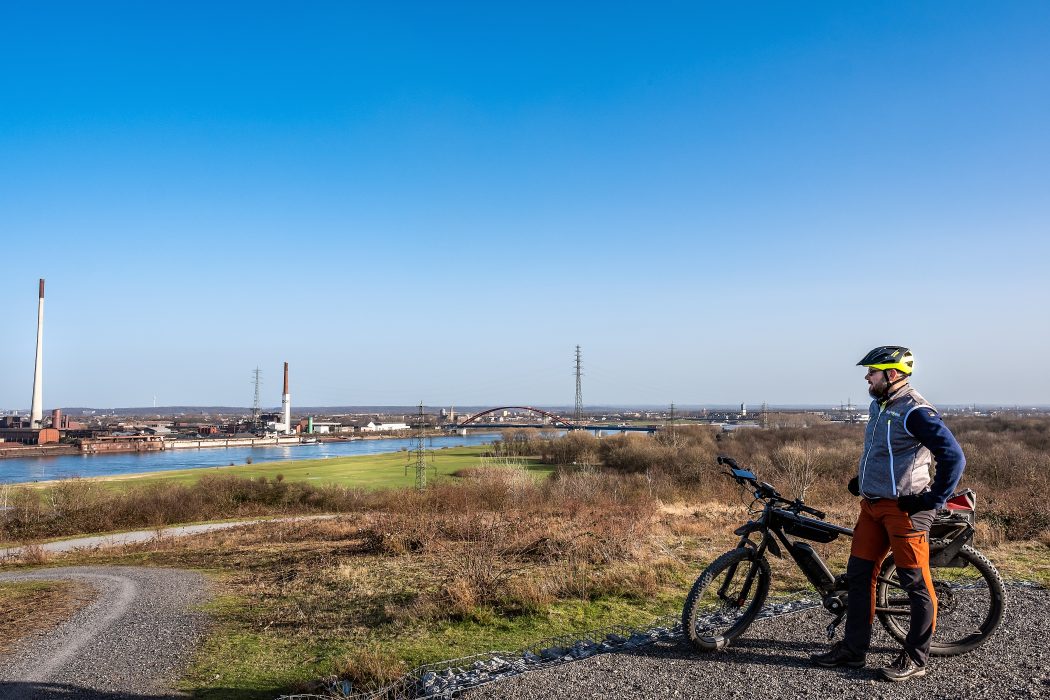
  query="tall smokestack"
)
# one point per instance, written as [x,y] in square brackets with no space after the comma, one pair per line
[36,413]
[286,404]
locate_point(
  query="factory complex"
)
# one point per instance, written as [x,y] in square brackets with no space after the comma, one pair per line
[91,433]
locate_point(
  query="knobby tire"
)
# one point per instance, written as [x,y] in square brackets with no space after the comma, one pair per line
[952,636]
[711,622]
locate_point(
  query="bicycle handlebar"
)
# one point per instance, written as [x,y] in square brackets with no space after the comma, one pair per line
[812,511]
[764,490]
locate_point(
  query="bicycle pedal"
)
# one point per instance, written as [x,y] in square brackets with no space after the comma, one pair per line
[833,626]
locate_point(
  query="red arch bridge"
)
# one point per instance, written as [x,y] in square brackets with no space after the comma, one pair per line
[554,420]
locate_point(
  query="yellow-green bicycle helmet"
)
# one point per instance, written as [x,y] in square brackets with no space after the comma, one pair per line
[889,357]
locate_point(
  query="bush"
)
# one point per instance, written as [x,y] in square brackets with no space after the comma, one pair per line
[79,506]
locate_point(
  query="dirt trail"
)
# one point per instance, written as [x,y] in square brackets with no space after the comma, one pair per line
[122,538]
[132,641]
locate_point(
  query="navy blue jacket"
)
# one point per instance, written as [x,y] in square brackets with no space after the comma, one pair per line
[928,428]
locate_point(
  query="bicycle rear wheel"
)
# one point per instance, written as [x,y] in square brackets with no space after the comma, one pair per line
[970,602]
[725,599]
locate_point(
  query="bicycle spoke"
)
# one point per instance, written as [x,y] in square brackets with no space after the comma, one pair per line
[728,600]
[968,609]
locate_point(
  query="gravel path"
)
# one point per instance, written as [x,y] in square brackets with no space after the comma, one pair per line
[121,538]
[131,642]
[772,661]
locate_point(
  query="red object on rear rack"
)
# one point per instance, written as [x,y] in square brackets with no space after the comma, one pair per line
[964,500]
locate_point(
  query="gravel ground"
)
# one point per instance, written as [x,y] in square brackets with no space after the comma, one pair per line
[772,661]
[131,642]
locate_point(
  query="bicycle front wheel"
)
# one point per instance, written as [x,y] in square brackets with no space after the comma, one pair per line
[725,599]
[971,599]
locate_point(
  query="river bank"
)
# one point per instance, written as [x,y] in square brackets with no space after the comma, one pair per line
[14,451]
[153,443]
[68,465]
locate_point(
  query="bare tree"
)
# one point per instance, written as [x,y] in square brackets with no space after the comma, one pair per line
[797,463]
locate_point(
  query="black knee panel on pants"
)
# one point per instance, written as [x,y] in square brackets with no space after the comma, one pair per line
[912,581]
[859,575]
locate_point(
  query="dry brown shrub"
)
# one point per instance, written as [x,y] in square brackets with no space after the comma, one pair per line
[530,594]
[79,506]
[638,581]
[459,598]
[474,578]
[497,486]
[571,579]
[396,534]
[696,523]
[797,466]
[516,442]
[636,453]
[33,555]
[370,668]
[573,448]
[989,534]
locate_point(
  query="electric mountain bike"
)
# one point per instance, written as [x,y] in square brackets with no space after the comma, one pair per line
[730,593]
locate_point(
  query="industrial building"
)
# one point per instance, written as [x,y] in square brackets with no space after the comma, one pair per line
[377,427]
[30,436]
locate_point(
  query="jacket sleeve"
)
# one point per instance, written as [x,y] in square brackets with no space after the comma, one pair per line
[928,428]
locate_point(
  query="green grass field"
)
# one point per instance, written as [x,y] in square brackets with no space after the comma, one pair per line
[363,471]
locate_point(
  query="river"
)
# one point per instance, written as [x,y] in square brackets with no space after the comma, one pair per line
[25,469]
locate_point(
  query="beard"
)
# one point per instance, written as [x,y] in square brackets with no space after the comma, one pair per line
[877,393]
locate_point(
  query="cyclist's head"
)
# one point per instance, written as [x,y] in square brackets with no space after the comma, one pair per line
[888,365]
[889,357]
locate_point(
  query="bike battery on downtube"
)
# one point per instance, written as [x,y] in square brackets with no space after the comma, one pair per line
[812,565]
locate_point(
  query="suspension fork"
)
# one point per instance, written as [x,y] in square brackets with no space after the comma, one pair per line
[749,580]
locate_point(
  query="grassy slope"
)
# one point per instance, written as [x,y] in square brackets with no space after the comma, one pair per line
[273,637]
[262,645]
[362,471]
[267,642]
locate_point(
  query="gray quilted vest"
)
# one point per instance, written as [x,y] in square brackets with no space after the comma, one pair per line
[894,463]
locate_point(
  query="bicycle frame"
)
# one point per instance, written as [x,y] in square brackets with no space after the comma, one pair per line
[774,524]
[727,596]
[771,525]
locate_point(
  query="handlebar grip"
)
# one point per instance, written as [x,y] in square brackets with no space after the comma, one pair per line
[728,461]
[813,511]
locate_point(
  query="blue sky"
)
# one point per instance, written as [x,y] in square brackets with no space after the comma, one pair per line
[720,202]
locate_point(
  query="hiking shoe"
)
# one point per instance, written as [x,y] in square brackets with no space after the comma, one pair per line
[838,655]
[902,669]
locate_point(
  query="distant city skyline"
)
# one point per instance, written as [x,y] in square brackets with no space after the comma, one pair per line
[565,410]
[719,203]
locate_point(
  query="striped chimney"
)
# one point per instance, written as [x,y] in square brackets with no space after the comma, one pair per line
[286,404]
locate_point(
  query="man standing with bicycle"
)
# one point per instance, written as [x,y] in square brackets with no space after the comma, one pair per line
[898,503]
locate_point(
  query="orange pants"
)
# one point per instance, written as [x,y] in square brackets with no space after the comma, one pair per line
[882,527]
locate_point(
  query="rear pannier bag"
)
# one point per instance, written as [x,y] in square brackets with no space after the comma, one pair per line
[961,507]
